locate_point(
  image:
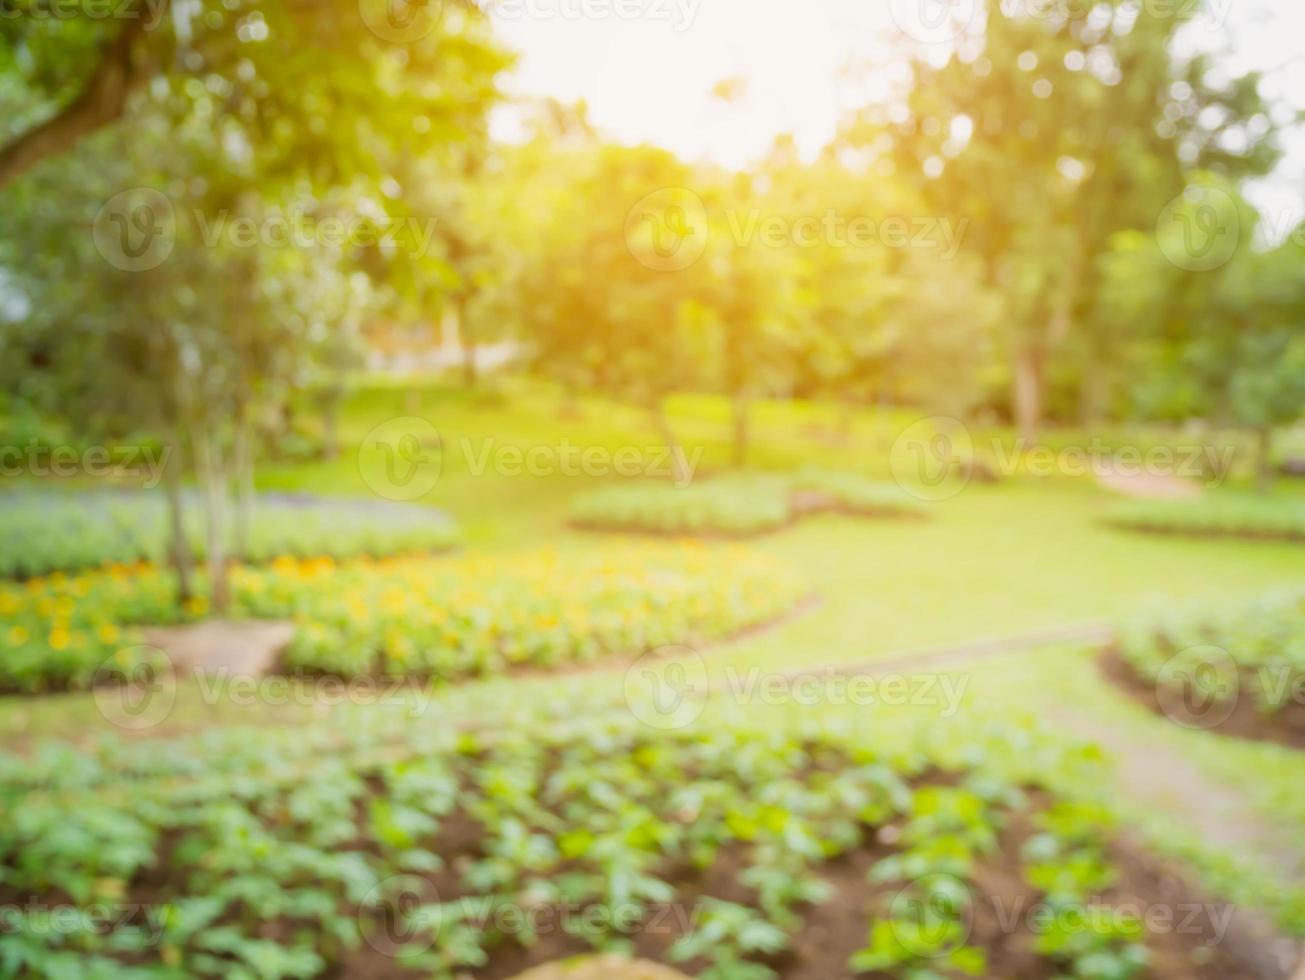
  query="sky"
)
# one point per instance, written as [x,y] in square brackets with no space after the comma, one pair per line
[647,68]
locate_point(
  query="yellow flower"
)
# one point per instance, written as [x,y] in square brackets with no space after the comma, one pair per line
[58,638]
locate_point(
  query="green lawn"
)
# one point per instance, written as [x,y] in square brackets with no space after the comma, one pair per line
[993,561]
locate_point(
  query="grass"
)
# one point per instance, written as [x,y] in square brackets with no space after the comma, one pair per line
[1025,555]
[997,560]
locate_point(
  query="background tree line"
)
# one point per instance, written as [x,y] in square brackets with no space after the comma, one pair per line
[1080,152]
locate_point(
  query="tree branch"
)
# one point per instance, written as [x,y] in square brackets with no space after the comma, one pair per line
[102,100]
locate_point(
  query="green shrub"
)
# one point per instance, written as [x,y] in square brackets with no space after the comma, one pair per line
[1257,649]
[1216,515]
[725,507]
[739,506]
[853,494]
[45,531]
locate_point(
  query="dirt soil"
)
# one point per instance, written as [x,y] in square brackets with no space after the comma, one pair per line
[1193,947]
[602,968]
[218,645]
[1246,720]
[1147,486]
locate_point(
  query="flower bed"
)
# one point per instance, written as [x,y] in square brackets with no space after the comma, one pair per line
[1240,672]
[61,630]
[739,506]
[476,616]
[1227,515]
[43,532]
[730,852]
[442,618]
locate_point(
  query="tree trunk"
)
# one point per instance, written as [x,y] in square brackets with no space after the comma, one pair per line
[679,470]
[569,410]
[243,464]
[1094,391]
[1028,394]
[211,471]
[178,545]
[285,425]
[331,400]
[740,430]
[1264,459]
[469,372]
[101,101]
[846,421]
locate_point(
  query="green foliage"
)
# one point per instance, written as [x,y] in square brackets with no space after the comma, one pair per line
[1225,341]
[851,493]
[1067,861]
[276,865]
[446,619]
[1222,514]
[737,506]
[740,506]
[1257,650]
[461,618]
[597,318]
[43,532]
[68,631]
[1052,136]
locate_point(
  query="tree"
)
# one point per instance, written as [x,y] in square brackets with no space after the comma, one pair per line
[228,321]
[593,286]
[1053,134]
[741,314]
[1223,337]
[318,107]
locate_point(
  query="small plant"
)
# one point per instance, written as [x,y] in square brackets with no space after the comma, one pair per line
[1255,651]
[443,618]
[924,933]
[1223,514]
[288,854]
[727,933]
[740,506]
[54,531]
